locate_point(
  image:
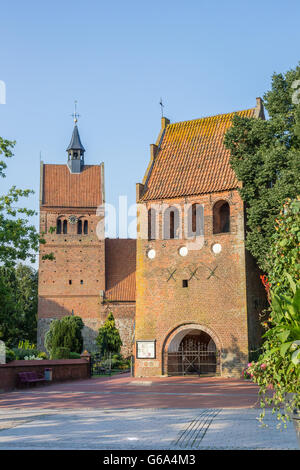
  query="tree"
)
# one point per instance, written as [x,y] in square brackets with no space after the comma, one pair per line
[265,155]
[108,339]
[18,239]
[65,333]
[18,304]
[283,261]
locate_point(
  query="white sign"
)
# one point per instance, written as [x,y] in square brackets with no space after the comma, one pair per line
[145,349]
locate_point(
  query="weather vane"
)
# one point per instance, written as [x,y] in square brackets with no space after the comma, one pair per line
[75,115]
[162,107]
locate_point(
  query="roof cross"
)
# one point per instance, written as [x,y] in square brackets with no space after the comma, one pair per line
[75,115]
[162,107]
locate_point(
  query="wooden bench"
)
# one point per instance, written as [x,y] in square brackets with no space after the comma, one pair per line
[30,377]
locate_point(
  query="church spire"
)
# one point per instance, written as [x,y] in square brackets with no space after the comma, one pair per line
[75,149]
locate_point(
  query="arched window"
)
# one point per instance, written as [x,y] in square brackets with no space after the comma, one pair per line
[151,224]
[65,226]
[79,227]
[85,227]
[195,220]
[171,223]
[221,217]
[58,226]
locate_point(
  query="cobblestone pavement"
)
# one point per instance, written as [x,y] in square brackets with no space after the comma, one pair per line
[133,429]
[126,392]
[121,412]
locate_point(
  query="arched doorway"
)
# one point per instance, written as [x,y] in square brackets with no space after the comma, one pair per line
[193,352]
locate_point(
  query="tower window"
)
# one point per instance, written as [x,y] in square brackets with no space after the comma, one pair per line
[195,220]
[65,227]
[221,217]
[85,227]
[185,283]
[171,223]
[70,282]
[58,227]
[79,227]
[81,282]
[151,224]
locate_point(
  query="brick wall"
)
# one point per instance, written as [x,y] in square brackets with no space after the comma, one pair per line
[216,301]
[62,370]
[81,260]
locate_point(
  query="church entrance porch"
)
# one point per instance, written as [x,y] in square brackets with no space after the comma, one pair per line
[192,352]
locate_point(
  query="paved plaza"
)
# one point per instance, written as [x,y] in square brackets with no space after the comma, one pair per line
[120,412]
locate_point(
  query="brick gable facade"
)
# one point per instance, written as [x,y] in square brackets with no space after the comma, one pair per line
[211,296]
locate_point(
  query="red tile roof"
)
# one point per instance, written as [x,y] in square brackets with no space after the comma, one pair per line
[120,267]
[192,159]
[61,188]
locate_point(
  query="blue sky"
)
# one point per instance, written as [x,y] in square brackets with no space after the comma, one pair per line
[117,59]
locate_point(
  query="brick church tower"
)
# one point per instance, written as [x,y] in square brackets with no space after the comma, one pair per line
[69,197]
[198,290]
[90,276]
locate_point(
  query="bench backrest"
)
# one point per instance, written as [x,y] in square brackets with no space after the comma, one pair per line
[24,376]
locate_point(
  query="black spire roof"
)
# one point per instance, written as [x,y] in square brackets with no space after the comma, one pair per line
[75,143]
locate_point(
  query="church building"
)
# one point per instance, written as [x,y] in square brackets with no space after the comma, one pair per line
[186,295]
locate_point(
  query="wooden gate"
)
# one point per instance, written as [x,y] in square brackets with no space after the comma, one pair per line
[196,354]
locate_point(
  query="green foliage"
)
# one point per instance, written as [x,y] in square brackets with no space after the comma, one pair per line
[108,338]
[18,304]
[74,355]
[42,355]
[265,155]
[22,353]
[60,353]
[18,239]
[65,333]
[277,371]
[119,362]
[10,355]
[26,345]
[283,262]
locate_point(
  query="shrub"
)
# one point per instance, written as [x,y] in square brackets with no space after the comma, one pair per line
[284,250]
[278,368]
[108,339]
[42,355]
[119,362]
[65,333]
[10,355]
[22,353]
[74,355]
[60,353]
